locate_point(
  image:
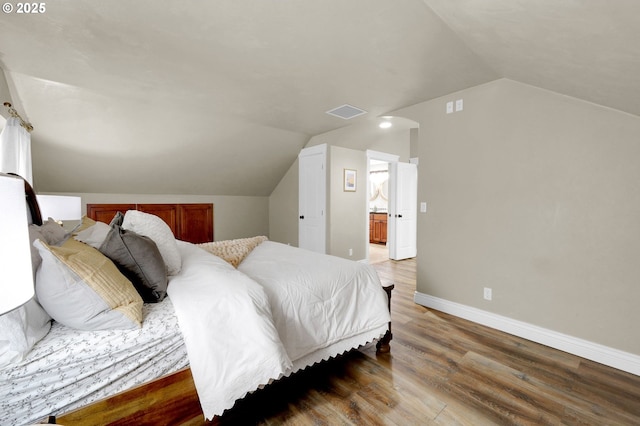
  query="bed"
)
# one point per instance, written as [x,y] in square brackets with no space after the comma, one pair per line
[237,315]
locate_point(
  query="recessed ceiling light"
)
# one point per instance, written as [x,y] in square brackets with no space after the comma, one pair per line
[385,125]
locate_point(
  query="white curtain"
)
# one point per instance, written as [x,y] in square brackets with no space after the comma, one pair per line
[15,150]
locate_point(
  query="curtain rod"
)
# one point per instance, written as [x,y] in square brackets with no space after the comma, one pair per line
[12,112]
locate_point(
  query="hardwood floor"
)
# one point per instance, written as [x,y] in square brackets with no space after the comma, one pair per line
[443,370]
[378,253]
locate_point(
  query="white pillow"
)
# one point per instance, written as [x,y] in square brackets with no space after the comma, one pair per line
[152,226]
[94,235]
[20,329]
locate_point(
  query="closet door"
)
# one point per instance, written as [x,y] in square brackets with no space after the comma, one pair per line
[312,196]
[166,212]
[188,222]
[106,212]
[195,222]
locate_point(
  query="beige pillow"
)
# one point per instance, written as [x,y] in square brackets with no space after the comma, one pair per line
[81,288]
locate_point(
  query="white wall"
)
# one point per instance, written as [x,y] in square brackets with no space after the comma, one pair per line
[347,225]
[283,209]
[536,195]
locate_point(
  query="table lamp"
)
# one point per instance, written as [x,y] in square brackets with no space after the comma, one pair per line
[16,280]
[59,207]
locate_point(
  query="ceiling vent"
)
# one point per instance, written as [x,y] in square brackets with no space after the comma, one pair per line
[346,112]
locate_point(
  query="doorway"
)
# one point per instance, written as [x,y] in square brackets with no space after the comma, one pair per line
[378,209]
[391,207]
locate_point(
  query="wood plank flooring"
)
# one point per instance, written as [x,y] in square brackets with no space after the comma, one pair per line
[443,370]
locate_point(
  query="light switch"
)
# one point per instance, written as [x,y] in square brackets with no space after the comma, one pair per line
[449,107]
[459,105]
[423,207]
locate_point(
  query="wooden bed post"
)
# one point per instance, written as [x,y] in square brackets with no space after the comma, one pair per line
[383,344]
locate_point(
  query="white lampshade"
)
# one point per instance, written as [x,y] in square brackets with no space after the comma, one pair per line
[16,277]
[60,207]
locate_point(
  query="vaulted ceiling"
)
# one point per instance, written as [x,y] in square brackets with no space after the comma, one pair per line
[218,97]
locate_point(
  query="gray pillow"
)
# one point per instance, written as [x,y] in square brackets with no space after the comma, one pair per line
[139,259]
[53,233]
[49,232]
[155,228]
[94,235]
[117,219]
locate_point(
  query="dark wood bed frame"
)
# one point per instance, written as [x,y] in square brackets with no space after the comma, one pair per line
[169,400]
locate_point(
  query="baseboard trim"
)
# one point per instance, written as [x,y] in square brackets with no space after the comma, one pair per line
[615,358]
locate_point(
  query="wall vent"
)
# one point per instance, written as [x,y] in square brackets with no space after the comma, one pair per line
[346,112]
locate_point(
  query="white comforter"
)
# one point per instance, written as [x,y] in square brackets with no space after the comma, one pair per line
[316,299]
[244,327]
[226,322]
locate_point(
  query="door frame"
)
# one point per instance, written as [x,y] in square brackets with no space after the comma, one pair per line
[380,156]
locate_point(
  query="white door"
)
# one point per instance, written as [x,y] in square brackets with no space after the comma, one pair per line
[312,198]
[403,204]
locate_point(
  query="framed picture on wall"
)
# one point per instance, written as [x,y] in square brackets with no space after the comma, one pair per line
[350,180]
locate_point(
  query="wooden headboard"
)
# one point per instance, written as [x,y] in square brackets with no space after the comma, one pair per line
[188,222]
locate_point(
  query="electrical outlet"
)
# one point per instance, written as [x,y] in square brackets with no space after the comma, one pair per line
[459,105]
[487,293]
[423,207]
[449,107]
[350,252]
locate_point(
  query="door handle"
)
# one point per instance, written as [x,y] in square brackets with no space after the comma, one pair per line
[302,217]
[398,215]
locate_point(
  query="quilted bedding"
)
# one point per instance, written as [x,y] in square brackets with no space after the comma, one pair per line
[69,368]
[281,310]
